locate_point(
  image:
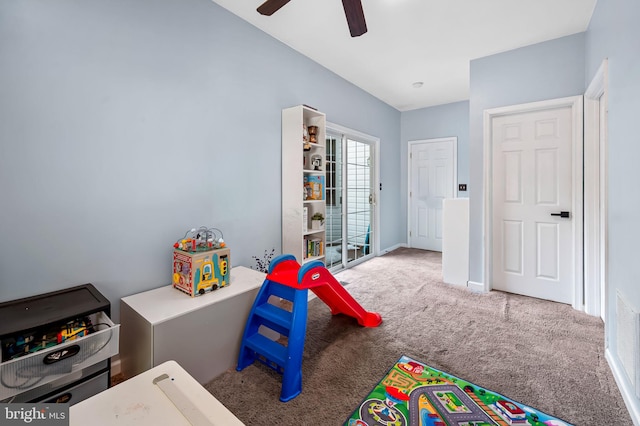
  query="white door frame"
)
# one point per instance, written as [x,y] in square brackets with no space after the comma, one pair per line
[575,102]
[454,140]
[375,182]
[595,194]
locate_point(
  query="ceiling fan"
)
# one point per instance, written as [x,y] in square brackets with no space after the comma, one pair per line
[352,10]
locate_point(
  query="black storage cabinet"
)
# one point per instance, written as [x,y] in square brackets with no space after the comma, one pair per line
[24,316]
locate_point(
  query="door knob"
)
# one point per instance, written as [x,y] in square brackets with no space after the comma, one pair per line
[561,214]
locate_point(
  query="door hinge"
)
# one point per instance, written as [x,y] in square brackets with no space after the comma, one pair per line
[409,233]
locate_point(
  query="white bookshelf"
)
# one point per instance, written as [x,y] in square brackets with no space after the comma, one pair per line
[297,167]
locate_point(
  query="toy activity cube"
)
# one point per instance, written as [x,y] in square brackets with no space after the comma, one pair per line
[196,273]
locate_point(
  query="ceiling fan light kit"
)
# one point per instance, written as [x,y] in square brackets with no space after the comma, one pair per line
[352,10]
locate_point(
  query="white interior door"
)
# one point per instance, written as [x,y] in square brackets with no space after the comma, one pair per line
[432,178]
[533,242]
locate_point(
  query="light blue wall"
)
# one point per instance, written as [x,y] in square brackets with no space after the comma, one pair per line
[614,33]
[549,70]
[430,123]
[125,123]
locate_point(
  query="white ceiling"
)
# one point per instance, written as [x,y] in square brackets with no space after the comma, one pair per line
[431,41]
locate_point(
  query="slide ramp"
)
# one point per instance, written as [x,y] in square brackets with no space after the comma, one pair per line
[317,278]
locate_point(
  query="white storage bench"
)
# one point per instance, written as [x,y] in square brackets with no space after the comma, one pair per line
[203,333]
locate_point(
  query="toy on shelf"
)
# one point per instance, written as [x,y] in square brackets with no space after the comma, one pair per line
[314,187]
[201,239]
[201,261]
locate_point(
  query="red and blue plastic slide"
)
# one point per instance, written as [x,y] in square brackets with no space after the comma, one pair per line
[287,280]
[317,278]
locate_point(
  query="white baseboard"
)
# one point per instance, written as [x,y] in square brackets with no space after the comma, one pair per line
[475,286]
[116,367]
[628,393]
[392,248]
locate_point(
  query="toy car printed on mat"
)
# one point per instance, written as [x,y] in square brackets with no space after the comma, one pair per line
[415,394]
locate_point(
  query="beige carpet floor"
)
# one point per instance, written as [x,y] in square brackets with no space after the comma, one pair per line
[540,353]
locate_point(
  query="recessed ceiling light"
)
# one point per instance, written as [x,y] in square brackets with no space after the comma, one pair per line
[417,84]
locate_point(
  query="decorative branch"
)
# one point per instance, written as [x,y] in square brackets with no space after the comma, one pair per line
[262,265]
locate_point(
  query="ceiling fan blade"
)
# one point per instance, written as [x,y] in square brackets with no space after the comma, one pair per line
[270,7]
[355,17]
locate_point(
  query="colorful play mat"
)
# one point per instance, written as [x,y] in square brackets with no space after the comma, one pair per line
[412,393]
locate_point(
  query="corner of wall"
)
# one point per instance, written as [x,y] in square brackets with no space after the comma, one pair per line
[392,248]
[476,287]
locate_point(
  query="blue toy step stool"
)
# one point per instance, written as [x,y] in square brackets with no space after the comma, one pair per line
[287,280]
[286,360]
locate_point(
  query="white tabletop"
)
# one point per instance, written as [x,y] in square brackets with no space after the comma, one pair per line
[138,402]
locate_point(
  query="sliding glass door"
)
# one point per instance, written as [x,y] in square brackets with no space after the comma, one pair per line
[350,198]
[334,216]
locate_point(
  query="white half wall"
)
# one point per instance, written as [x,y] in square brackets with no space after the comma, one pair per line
[455,241]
